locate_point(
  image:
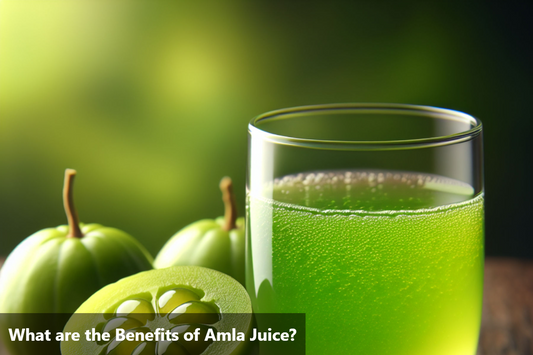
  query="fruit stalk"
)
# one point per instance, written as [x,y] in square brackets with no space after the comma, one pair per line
[68,203]
[230,213]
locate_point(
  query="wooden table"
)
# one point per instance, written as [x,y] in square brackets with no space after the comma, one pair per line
[507,324]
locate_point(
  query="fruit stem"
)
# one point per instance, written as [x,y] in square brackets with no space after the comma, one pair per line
[230,206]
[68,203]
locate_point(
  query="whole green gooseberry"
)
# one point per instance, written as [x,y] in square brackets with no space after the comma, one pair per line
[56,269]
[217,244]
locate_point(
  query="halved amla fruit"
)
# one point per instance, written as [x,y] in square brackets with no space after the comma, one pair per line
[151,306]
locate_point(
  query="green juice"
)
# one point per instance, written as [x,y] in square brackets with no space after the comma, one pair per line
[380,262]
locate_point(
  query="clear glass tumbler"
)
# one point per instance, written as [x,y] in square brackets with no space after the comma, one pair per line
[369,219]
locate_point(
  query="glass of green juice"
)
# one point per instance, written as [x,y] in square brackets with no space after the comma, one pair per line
[369,219]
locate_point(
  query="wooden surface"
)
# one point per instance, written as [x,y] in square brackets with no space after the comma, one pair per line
[507,324]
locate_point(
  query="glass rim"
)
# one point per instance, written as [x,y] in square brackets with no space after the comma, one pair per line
[400,144]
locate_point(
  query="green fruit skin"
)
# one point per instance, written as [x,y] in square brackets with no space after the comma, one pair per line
[205,243]
[50,273]
[217,288]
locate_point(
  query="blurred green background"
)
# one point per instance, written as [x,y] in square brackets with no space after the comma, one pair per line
[150,100]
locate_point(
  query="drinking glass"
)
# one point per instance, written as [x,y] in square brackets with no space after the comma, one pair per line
[369,219]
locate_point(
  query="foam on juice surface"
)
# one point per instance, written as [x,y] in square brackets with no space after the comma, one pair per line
[369,190]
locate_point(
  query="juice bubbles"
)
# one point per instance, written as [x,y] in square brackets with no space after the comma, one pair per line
[380,262]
